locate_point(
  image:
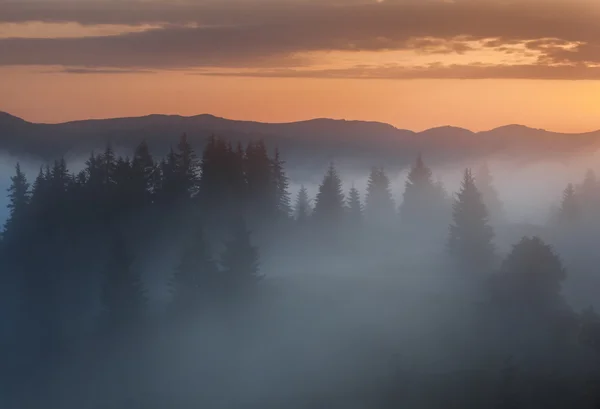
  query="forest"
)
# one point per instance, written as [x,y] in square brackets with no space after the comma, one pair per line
[198,280]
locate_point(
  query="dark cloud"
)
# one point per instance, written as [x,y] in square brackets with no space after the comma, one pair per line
[433,71]
[79,70]
[270,34]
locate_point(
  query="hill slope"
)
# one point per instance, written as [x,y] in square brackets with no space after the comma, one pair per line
[311,142]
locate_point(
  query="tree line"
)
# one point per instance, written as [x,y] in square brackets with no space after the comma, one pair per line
[76,246]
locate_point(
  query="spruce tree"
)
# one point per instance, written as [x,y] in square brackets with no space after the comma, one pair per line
[570,209]
[470,239]
[187,169]
[19,196]
[170,186]
[262,188]
[379,207]
[220,169]
[355,207]
[240,259]
[281,181]
[123,294]
[145,174]
[421,196]
[108,163]
[125,195]
[329,206]
[530,277]
[196,277]
[302,209]
[492,201]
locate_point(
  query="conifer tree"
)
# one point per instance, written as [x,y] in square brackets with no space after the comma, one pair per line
[144,173]
[187,168]
[284,207]
[355,207]
[240,259]
[108,161]
[485,184]
[380,207]
[302,209]
[569,209]
[125,192]
[196,277]
[19,196]
[262,187]
[223,189]
[236,181]
[421,197]
[470,239]
[123,294]
[58,185]
[531,276]
[170,189]
[329,206]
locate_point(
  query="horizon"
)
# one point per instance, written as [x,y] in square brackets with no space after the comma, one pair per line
[312,119]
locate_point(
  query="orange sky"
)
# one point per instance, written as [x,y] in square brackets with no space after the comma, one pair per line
[540,68]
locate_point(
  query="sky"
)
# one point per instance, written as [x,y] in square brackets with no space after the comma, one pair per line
[415,64]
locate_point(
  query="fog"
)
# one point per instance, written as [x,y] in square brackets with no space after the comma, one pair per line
[111,300]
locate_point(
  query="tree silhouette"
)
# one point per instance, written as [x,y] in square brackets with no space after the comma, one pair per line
[302,209]
[284,207]
[145,174]
[425,205]
[18,196]
[355,207]
[485,184]
[569,209]
[379,207]
[531,275]
[187,168]
[329,206]
[263,201]
[470,238]
[417,192]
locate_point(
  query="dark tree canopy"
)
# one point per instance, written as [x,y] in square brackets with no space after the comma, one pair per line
[302,209]
[417,192]
[355,207]
[570,210]
[100,251]
[531,276]
[485,184]
[329,206]
[470,239]
[283,200]
[379,204]
[424,203]
[18,196]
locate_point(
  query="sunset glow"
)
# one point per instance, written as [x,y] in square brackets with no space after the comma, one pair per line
[413,64]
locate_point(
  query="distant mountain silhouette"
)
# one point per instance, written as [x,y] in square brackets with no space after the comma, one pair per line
[312,142]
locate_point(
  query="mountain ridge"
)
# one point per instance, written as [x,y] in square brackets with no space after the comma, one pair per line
[513,126]
[309,143]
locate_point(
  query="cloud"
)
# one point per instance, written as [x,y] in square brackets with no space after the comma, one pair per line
[80,70]
[278,35]
[433,71]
